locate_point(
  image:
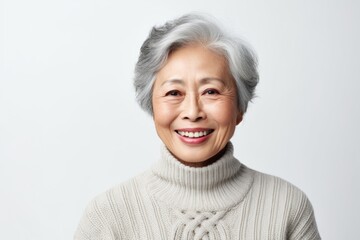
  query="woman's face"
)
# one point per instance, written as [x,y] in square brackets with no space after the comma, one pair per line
[195,104]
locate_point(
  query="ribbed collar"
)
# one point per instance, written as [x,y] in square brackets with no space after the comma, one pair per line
[220,185]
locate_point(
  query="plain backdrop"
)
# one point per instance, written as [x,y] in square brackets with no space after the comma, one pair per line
[70,127]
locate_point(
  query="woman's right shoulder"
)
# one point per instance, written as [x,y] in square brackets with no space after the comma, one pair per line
[103,214]
[117,194]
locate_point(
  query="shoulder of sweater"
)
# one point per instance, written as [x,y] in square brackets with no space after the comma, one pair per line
[117,193]
[300,208]
[277,193]
[280,190]
[103,211]
[268,181]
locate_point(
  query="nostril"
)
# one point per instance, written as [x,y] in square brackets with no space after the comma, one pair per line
[195,119]
[198,118]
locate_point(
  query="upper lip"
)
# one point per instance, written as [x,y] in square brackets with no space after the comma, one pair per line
[193,129]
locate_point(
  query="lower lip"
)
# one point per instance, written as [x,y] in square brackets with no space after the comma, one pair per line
[194,140]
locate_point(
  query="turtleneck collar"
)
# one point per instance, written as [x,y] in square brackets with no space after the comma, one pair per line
[220,185]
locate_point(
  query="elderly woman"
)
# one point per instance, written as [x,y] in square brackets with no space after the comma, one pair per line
[196,81]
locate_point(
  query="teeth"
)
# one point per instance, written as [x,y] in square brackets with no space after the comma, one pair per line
[194,134]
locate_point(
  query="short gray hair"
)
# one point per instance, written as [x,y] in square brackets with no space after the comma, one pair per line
[188,29]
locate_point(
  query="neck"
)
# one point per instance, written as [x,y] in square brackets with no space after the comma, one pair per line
[219,185]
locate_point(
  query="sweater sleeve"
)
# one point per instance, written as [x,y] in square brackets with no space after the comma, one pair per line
[303,225]
[94,222]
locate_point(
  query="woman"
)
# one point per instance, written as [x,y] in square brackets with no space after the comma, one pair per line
[196,82]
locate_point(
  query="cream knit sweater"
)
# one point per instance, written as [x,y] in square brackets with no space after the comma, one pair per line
[225,200]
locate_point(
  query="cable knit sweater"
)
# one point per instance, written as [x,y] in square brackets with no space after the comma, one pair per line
[225,200]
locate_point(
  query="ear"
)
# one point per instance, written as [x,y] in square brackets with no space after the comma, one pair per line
[239,117]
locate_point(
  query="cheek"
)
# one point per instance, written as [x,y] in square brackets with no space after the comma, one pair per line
[224,113]
[163,116]
[159,120]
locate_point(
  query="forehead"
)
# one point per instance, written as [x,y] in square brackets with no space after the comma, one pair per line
[194,61]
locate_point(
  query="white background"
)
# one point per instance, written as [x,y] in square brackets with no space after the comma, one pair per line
[70,127]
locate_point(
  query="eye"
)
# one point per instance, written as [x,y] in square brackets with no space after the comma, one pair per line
[211,91]
[173,93]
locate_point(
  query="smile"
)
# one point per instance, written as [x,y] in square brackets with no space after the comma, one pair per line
[194,134]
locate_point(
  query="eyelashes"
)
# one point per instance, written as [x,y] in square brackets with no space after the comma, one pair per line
[173,93]
[177,93]
[211,91]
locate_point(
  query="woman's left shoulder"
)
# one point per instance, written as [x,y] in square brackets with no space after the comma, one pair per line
[284,198]
[269,183]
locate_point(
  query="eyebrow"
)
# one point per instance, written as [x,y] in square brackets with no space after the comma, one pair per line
[175,80]
[202,81]
[207,80]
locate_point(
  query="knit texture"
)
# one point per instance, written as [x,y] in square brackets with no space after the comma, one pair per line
[225,200]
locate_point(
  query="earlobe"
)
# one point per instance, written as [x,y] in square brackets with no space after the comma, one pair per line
[239,117]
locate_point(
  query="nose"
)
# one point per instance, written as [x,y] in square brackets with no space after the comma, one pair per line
[192,109]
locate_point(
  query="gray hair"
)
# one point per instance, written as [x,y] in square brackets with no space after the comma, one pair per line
[188,29]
